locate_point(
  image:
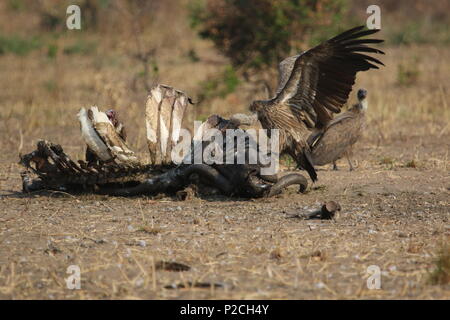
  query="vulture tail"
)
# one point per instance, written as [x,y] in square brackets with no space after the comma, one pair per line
[307,164]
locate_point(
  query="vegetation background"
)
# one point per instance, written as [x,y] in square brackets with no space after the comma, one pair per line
[223,53]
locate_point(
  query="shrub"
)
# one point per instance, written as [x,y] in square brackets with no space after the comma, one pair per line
[258,33]
[80,47]
[18,45]
[408,73]
[441,272]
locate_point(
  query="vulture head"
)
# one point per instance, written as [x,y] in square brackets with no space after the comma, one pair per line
[112,116]
[255,106]
[259,106]
[362,101]
[243,119]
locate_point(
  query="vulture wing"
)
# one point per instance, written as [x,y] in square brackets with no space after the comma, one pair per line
[284,71]
[316,83]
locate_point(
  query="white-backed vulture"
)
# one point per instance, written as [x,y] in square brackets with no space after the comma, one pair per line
[338,137]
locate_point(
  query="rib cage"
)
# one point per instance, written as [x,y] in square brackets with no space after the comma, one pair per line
[55,168]
[164,114]
[165,109]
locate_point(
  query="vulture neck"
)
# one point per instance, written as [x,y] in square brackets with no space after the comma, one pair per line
[364,104]
[244,119]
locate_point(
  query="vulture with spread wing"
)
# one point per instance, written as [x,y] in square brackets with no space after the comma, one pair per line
[312,86]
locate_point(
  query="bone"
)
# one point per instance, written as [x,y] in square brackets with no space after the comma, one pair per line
[286,181]
[326,212]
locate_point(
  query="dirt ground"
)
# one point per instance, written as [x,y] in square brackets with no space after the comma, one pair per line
[393,216]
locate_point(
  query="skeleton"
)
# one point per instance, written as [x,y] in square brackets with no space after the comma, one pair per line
[117,171]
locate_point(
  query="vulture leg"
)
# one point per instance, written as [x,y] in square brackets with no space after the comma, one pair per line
[286,181]
[335,167]
[350,163]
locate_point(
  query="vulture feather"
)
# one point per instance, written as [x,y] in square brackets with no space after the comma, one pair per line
[104,135]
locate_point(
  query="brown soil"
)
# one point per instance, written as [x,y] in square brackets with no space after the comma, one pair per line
[393,216]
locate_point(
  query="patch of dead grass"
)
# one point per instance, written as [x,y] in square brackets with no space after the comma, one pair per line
[441,273]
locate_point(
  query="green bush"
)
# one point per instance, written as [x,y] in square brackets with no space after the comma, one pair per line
[80,47]
[52,50]
[220,85]
[441,273]
[18,45]
[408,73]
[16,5]
[420,32]
[255,34]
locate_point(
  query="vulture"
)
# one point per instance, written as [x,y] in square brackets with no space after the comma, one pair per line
[105,137]
[337,138]
[119,128]
[312,86]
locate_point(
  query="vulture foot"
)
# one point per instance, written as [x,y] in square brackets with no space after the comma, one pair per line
[335,167]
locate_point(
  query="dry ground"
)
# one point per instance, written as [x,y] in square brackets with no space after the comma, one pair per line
[395,215]
[395,206]
[397,219]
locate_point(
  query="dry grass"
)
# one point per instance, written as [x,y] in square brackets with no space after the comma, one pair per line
[395,205]
[246,249]
[441,273]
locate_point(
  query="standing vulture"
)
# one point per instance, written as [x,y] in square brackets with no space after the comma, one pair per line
[341,133]
[312,86]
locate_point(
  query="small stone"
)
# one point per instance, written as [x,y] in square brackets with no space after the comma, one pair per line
[392,268]
[142,243]
[320,285]
[139,282]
